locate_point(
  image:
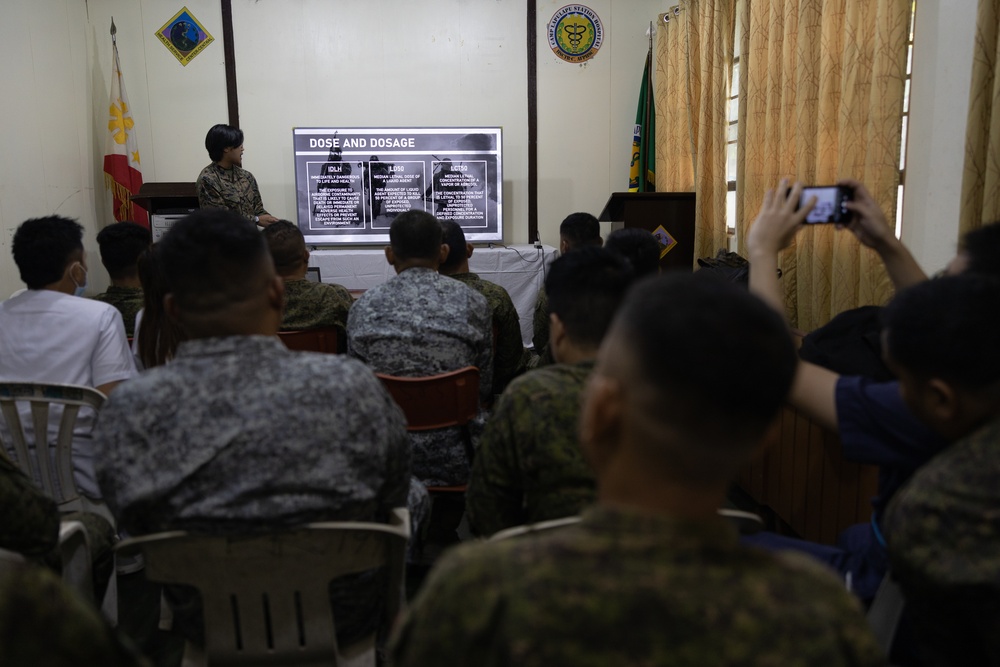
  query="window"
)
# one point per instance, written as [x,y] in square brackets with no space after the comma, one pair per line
[906,119]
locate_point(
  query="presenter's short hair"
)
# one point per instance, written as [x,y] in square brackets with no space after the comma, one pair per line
[121,244]
[454,238]
[212,259]
[43,247]
[580,229]
[415,235]
[220,137]
[287,246]
[585,288]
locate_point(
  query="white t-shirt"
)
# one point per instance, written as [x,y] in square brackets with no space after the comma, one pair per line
[48,336]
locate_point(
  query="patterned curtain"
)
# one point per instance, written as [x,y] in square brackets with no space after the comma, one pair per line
[822,98]
[694,51]
[981,180]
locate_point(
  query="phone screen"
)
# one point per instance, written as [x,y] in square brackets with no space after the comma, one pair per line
[829,204]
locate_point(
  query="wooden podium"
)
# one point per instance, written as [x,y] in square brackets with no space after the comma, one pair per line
[166,203]
[673,211]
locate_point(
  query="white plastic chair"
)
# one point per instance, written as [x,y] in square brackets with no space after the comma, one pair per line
[58,483]
[266,598]
[56,480]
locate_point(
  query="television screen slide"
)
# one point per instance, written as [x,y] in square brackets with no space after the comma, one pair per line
[352,182]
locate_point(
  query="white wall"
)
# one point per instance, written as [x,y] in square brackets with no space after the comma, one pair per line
[935,148]
[367,62]
[47,163]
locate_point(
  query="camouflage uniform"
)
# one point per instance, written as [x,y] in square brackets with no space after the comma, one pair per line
[235,189]
[627,588]
[421,323]
[510,359]
[943,532]
[540,330]
[42,622]
[528,467]
[239,434]
[309,305]
[128,301]
[29,520]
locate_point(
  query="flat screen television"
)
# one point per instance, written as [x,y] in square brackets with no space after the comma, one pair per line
[351,182]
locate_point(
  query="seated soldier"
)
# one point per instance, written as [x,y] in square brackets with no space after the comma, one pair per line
[652,575]
[577,230]
[43,622]
[510,359]
[421,323]
[943,526]
[874,425]
[529,467]
[308,305]
[239,434]
[29,520]
[121,244]
[639,247]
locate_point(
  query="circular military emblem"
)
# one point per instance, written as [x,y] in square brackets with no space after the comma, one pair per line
[184,35]
[575,33]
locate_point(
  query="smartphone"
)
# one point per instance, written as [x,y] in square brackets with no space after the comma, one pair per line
[830,200]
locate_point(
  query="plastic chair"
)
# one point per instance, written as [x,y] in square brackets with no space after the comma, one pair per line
[747,523]
[58,483]
[534,528]
[886,611]
[265,597]
[323,339]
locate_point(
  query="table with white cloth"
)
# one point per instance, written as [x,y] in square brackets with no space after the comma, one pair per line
[520,269]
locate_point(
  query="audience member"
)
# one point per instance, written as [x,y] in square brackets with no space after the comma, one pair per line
[577,230]
[874,424]
[156,335]
[639,247]
[47,334]
[237,433]
[529,467]
[510,359]
[652,574]
[29,520]
[308,305]
[43,622]
[421,323]
[943,525]
[121,244]
[225,183]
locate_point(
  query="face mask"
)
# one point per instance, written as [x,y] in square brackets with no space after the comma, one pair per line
[80,288]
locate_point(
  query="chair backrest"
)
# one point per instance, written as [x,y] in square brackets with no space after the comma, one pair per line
[57,483]
[266,598]
[436,401]
[323,339]
[535,528]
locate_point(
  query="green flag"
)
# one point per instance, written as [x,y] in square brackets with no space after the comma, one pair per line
[642,171]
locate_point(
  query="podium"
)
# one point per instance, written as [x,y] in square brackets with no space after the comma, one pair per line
[670,216]
[166,203]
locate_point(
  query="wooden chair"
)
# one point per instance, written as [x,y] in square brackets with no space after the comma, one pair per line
[323,339]
[437,401]
[265,598]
